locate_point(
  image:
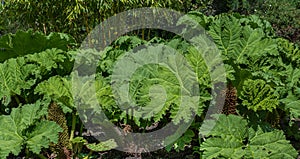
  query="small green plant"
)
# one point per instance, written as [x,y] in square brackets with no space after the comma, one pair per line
[79,142]
[181,143]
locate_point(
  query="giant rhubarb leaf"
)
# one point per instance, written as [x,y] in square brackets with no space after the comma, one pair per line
[232,138]
[29,42]
[59,90]
[13,78]
[23,128]
[257,95]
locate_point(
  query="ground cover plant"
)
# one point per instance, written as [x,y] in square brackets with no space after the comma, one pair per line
[260,117]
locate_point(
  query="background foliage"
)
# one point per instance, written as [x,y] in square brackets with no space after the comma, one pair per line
[75,17]
[262,99]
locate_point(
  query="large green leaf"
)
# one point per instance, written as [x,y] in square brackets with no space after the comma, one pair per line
[29,42]
[280,70]
[222,148]
[257,95]
[239,42]
[13,78]
[28,114]
[154,88]
[16,132]
[290,50]
[233,127]
[169,70]
[228,136]
[195,58]
[255,21]
[292,104]
[232,138]
[244,46]
[104,95]
[59,89]
[48,61]
[42,135]
[21,73]
[11,140]
[269,145]
[226,33]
